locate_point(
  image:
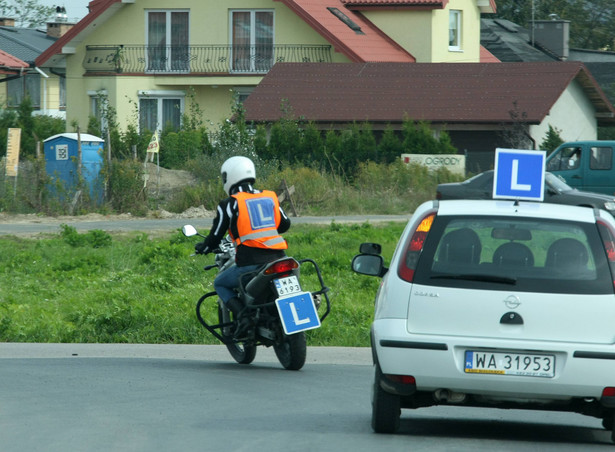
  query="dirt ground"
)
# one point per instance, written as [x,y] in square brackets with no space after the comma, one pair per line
[159,181]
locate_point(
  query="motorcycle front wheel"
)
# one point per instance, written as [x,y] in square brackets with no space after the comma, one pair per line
[292,351]
[242,353]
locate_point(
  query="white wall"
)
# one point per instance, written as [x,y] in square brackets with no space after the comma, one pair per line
[573,115]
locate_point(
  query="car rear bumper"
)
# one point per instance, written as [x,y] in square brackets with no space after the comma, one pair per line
[437,362]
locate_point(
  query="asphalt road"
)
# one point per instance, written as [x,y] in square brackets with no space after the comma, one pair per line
[161,398]
[150,225]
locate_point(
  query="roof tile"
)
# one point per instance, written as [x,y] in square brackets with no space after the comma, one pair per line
[437,3]
[11,62]
[435,92]
[370,44]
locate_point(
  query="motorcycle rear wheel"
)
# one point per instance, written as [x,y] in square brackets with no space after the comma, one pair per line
[292,351]
[241,352]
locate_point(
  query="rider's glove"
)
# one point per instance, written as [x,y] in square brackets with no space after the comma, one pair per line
[200,248]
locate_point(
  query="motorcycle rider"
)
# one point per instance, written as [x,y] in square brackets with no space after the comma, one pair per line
[254,219]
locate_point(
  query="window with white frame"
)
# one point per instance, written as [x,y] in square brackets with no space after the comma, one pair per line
[454,30]
[160,110]
[168,41]
[252,40]
[98,108]
[62,81]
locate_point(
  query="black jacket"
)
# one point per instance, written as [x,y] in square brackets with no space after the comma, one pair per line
[226,218]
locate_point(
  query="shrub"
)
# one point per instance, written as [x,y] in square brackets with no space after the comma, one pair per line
[126,189]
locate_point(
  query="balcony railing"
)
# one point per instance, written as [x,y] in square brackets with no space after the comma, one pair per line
[200,59]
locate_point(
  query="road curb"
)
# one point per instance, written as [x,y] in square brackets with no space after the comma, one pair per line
[315,355]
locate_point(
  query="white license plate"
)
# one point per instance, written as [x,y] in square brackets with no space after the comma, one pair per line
[287,286]
[524,364]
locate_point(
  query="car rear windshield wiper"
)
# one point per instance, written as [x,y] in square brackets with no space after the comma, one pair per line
[476,277]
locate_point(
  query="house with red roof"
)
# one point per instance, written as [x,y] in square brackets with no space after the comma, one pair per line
[150,60]
[482,106]
[20,76]
[10,65]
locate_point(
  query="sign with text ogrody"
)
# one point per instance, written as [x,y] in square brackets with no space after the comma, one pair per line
[519,174]
[456,164]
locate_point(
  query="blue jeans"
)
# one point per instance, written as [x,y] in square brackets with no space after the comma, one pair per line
[227,281]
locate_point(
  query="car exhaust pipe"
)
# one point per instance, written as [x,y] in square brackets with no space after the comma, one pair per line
[448,396]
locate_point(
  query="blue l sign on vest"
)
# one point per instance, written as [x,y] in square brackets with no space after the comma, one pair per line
[261,213]
[298,313]
[519,174]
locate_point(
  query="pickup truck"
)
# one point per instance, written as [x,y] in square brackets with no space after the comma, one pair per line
[586,165]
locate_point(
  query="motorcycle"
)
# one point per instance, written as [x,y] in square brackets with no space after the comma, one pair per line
[277,310]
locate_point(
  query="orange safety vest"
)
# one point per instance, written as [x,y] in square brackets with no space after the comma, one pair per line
[258,219]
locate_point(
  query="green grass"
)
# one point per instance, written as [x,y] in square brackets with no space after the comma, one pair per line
[101,288]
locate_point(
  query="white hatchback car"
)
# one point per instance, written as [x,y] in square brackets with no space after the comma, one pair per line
[495,304]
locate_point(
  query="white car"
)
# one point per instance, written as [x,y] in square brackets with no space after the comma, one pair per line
[495,304]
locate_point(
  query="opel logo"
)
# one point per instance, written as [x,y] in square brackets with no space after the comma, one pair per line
[512,302]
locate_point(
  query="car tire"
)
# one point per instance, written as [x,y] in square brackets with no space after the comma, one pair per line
[386,407]
[610,425]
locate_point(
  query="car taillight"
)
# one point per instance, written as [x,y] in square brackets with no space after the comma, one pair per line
[410,257]
[284,266]
[608,241]
[403,379]
[609,391]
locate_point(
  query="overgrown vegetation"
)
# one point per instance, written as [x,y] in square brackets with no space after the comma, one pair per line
[354,170]
[94,287]
[332,172]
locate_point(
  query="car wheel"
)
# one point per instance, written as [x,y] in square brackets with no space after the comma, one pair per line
[609,424]
[386,407]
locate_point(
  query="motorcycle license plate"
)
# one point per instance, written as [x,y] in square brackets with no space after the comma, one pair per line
[287,286]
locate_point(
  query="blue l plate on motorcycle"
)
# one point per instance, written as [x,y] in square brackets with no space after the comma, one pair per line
[298,312]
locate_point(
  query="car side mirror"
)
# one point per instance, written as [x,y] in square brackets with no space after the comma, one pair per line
[369,264]
[370,248]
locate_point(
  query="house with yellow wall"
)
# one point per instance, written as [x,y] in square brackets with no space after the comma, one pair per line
[44,84]
[150,59]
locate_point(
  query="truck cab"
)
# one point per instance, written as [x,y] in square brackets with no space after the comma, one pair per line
[586,165]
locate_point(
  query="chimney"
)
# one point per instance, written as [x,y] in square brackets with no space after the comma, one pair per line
[7,22]
[553,35]
[59,28]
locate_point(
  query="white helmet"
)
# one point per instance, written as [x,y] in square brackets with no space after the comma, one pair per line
[235,170]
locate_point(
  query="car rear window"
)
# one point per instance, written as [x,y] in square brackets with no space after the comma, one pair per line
[504,253]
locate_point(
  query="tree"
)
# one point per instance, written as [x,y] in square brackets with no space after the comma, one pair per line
[389,148]
[590,20]
[27,13]
[552,139]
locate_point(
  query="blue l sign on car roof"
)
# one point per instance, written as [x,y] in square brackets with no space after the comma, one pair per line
[519,174]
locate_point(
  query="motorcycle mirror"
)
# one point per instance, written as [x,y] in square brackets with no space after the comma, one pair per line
[189,230]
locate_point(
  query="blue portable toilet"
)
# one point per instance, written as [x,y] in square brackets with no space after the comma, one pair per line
[62,157]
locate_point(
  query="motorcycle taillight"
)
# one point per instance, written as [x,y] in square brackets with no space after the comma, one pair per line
[283,266]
